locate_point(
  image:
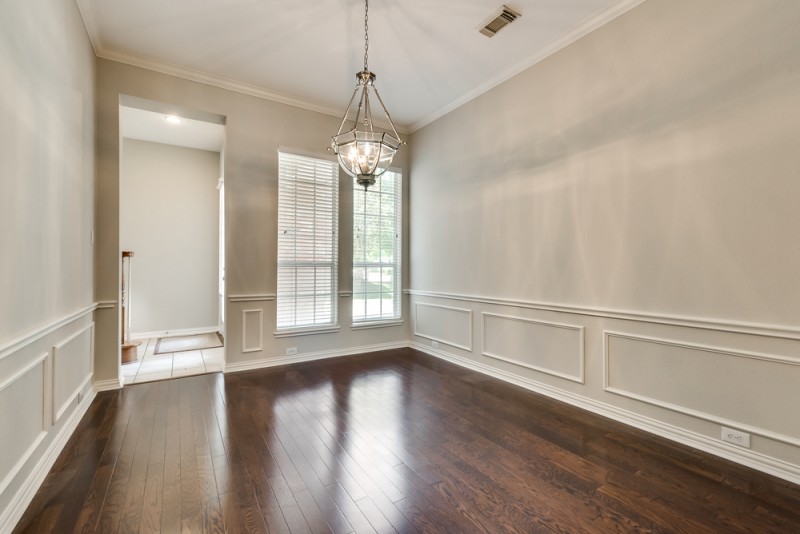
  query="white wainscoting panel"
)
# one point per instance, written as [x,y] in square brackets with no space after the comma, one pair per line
[73,360]
[553,348]
[43,375]
[444,324]
[252,330]
[22,417]
[754,392]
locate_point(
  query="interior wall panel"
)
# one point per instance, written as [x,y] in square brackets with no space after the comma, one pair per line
[713,383]
[683,382]
[22,413]
[444,324]
[547,347]
[72,369]
[252,330]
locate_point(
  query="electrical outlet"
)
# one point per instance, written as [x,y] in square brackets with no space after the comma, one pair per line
[435,344]
[291,351]
[737,437]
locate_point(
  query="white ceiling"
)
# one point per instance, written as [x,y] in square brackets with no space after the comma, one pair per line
[427,54]
[136,123]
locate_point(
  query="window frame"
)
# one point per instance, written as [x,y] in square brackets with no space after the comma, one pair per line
[289,197]
[359,214]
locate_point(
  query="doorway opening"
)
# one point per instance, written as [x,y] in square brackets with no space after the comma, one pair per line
[172,234]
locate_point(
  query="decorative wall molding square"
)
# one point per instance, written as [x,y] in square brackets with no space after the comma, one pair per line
[579,377]
[259,313]
[466,315]
[620,389]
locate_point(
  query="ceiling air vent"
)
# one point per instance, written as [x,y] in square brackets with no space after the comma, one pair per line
[499,20]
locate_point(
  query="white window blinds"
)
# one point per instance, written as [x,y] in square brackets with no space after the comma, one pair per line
[377,217]
[307,241]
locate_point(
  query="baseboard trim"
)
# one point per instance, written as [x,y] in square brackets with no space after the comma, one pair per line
[749,458]
[107,385]
[20,501]
[176,333]
[311,356]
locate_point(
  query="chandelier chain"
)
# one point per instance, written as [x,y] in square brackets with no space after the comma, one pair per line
[363,151]
[366,33]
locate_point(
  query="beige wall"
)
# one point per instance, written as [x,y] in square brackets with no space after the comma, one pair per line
[255,128]
[46,256]
[169,218]
[642,182]
[46,142]
[623,236]
[650,166]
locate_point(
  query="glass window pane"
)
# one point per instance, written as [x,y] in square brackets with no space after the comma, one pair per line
[376,240]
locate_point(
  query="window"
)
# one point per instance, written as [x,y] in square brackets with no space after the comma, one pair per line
[307,241]
[377,217]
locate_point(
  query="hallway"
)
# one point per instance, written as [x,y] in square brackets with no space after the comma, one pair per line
[151,366]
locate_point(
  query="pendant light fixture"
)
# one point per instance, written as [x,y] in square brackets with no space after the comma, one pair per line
[365,152]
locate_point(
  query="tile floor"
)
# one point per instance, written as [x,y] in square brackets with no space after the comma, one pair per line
[151,366]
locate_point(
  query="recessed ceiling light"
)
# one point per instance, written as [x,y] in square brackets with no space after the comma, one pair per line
[172,119]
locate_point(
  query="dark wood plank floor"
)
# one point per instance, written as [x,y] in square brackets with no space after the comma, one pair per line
[384,442]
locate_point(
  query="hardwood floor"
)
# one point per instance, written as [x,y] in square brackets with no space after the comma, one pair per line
[383,442]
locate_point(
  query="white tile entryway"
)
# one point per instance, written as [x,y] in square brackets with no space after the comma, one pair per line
[151,366]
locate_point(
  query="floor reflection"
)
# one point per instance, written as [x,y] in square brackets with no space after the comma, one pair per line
[332,442]
[388,442]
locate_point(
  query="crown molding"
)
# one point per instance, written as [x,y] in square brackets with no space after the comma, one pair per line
[211,79]
[100,50]
[90,23]
[587,27]
[223,83]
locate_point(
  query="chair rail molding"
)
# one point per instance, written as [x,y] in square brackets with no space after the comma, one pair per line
[36,334]
[721,325]
[255,297]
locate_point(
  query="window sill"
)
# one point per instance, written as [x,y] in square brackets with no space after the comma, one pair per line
[376,324]
[306,331]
